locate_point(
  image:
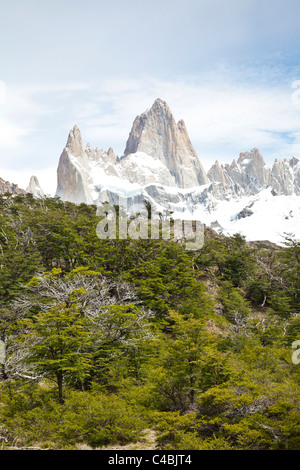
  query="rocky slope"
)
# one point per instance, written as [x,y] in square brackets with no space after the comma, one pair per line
[73,179]
[11,188]
[157,134]
[251,174]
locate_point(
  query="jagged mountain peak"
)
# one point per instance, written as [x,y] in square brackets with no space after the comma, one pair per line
[157,134]
[145,127]
[294,161]
[159,109]
[249,171]
[34,187]
[11,188]
[218,174]
[160,104]
[111,154]
[253,157]
[161,165]
[216,167]
[74,142]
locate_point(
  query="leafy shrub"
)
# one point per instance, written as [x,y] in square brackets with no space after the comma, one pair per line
[85,417]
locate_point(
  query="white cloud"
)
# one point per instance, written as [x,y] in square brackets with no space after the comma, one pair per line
[224,115]
[23,107]
[10,134]
[222,118]
[18,115]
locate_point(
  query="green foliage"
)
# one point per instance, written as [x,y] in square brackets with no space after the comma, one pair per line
[164,275]
[292,331]
[139,333]
[252,414]
[285,296]
[91,418]
[231,256]
[101,420]
[59,345]
[185,364]
[234,304]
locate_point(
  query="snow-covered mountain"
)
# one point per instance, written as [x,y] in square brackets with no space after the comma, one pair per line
[161,166]
[158,152]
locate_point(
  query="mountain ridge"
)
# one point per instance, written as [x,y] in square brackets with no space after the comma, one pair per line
[161,166]
[10,188]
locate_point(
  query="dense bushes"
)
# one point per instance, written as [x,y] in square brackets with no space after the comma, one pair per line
[106,338]
[35,418]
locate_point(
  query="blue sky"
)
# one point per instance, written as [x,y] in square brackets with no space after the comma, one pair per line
[229,68]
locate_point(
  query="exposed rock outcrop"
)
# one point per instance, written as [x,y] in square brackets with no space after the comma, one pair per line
[34,188]
[158,152]
[73,175]
[11,188]
[249,172]
[249,175]
[217,174]
[156,133]
[285,177]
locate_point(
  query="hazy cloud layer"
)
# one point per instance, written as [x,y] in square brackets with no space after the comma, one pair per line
[226,68]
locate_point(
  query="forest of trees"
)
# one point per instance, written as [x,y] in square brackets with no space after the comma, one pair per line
[105,340]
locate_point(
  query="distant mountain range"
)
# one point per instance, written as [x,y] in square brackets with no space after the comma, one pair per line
[11,188]
[161,166]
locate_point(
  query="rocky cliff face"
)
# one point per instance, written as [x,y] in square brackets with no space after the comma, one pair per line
[73,178]
[285,176]
[249,175]
[217,174]
[156,133]
[160,164]
[254,174]
[249,172]
[34,188]
[11,188]
[158,151]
